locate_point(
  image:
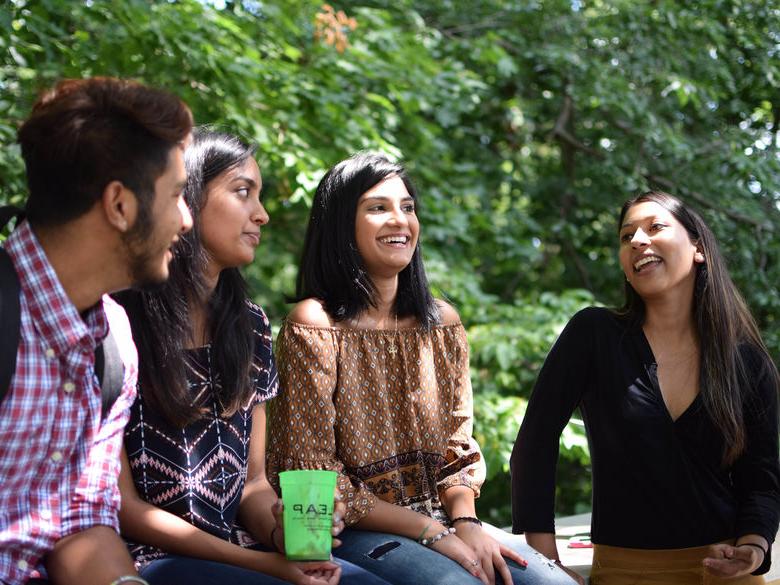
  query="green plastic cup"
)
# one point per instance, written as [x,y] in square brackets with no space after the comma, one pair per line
[308,513]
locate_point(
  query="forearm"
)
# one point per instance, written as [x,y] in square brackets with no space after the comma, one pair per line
[544,542]
[96,556]
[147,524]
[458,501]
[255,510]
[386,517]
[754,539]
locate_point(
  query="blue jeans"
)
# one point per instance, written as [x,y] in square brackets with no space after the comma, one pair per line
[402,561]
[175,570]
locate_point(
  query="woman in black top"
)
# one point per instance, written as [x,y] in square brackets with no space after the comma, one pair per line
[680,402]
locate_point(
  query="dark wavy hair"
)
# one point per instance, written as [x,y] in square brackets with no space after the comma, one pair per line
[331,268]
[84,133]
[160,319]
[724,326]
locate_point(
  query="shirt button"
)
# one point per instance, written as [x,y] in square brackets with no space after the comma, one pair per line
[22,565]
[69,387]
[56,456]
[50,353]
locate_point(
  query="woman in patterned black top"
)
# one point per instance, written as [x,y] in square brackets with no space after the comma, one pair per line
[193,463]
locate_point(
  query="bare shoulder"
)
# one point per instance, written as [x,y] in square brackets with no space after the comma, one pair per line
[310,312]
[449,316]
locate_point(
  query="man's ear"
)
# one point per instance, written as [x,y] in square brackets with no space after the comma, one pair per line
[120,206]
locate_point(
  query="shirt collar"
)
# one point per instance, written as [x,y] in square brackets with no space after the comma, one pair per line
[53,313]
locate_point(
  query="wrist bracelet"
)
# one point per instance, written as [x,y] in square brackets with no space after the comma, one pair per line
[434,539]
[756,545]
[472,519]
[129,579]
[424,530]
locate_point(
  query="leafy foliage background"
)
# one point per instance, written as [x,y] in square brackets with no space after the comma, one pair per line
[525,124]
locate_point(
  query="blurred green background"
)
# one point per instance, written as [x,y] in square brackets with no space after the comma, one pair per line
[525,124]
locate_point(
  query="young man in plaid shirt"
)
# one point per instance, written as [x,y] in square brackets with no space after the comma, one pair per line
[105,174]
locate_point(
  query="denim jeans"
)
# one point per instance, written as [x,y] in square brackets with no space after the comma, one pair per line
[402,561]
[175,570]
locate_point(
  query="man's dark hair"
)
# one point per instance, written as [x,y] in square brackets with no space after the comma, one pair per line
[84,133]
[331,268]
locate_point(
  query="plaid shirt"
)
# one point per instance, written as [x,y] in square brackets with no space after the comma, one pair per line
[58,464]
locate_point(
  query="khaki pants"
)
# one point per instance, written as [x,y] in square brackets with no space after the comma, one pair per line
[613,565]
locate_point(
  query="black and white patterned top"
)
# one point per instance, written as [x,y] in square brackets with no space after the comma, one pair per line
[198,472]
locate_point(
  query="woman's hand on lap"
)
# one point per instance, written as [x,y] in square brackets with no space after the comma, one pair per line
[454,548]
[489,552]
[308,573]
[317,573]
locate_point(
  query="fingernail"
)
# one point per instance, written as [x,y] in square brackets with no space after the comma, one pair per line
[336,518]
[524,563]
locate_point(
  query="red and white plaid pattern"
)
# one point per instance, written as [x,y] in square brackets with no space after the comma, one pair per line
[58,464]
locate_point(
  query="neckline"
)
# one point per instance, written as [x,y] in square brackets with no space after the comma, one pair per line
[417,328]
[652,370]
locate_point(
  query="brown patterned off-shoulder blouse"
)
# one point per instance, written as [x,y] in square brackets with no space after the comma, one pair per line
[390,410]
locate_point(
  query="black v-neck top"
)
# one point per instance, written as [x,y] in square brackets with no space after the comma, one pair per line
[658,483]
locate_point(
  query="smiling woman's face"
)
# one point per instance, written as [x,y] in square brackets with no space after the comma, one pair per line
[656,252]
[386,228]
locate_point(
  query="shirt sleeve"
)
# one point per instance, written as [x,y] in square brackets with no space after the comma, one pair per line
[302,418]
[756,474]
[96,498]
[558,391]
[464,465]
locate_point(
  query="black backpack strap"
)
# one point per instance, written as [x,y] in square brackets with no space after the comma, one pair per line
[110,372]
[108,363]
[10,321]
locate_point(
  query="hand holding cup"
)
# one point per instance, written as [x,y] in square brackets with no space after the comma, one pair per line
[311,514]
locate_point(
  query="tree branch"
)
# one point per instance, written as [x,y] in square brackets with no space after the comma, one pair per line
[568,200]
[493,21]
[560,132]
[670,185]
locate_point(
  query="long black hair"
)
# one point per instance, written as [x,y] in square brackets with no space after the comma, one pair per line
[724,326]
[160,319]
[331,268]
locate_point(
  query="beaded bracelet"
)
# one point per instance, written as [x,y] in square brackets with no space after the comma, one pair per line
[129,579]
[472,519]
[434,539]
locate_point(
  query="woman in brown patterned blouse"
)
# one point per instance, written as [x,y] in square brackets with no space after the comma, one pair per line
[376,386]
